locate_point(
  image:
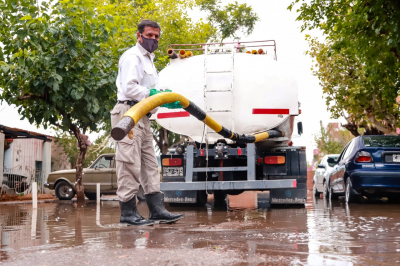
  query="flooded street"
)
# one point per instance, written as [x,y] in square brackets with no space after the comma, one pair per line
[322,233]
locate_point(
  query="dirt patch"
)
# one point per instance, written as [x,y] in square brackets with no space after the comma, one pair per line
[6,197]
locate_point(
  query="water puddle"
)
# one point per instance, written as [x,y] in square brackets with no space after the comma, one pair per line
[322,233]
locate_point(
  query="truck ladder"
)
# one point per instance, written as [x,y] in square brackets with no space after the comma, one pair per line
[207,90]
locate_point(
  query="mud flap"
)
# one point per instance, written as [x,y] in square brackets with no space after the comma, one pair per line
[263,200]
[180,196]
[289,195]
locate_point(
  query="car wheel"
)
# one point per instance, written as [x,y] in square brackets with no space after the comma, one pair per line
[91,195]
[326,191]
[332,196]
[349,196]
[64,191]
[315,191]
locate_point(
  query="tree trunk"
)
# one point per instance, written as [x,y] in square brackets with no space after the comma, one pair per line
[79,163]
[353,128]
[78,225]
[386,129]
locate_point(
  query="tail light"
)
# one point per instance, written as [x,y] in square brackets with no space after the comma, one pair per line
[274,160]
[172,162]
[364,157]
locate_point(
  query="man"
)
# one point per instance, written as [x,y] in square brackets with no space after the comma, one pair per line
[136,162]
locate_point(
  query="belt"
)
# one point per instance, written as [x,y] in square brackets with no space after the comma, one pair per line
[132,103]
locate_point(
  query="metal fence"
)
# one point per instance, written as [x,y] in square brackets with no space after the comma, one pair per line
[19,180]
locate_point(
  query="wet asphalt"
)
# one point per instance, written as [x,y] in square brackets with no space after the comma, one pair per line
[322,233]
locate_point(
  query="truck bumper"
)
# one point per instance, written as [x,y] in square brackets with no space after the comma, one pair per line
[228,185]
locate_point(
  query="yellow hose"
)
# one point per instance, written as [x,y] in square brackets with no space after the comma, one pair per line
[135,113]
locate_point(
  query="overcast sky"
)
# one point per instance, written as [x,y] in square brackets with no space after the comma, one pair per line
[278,23]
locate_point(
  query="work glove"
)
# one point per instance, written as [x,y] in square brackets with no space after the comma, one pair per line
[154,92]
[174,105]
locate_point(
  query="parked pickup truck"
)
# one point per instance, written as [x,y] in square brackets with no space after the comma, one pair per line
[101,171]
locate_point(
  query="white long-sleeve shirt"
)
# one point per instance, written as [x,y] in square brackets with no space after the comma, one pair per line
[136,74]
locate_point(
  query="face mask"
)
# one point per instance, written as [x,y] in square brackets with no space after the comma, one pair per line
[149,44]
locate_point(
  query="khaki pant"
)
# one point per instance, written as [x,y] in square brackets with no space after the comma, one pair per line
[136,161]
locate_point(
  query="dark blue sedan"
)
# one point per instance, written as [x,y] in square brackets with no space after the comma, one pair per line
[368,166]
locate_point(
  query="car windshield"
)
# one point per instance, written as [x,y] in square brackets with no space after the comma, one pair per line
[104,162]
[381,141]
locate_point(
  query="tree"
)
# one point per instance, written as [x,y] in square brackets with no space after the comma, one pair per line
[331,140]
[164,138]
[69,147]
[359,65]
[56,67]
[177,27]
[230,19]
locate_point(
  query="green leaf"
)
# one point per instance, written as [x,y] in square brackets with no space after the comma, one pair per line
[21,62]
[78,94]
[55,86]
[28,17]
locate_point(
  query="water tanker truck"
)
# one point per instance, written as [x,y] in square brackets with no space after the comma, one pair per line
[238,113]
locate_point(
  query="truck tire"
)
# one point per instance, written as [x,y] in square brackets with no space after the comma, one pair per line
[91,195]
[219,196]
[64,190]
[201,198]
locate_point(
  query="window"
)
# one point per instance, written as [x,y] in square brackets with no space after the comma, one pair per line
[104,162]
[381,141]
[348,151]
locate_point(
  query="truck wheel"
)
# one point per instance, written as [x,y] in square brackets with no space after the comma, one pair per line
[201,198]
[315,191]
[64,191]
[91,195]
[219,196]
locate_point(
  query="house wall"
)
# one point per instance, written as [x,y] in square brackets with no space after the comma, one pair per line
[1,156]
[23,153]
[59,158]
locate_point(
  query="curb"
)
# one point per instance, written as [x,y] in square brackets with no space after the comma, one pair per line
[28,201]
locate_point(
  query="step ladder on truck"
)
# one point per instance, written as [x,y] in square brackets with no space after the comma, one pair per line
[247,93]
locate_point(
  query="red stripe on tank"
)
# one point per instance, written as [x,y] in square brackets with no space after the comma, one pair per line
[260,111]
[173,115]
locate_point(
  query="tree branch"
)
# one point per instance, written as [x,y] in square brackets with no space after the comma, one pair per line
[394,51]
[378,125]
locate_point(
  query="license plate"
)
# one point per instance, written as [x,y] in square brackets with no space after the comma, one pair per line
[173,171]
[396,158]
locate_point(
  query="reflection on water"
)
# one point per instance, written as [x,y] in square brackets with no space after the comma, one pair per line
[322,233]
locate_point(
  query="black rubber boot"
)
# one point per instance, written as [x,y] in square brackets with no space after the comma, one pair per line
[158,213]
[130,215]
[141,198]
